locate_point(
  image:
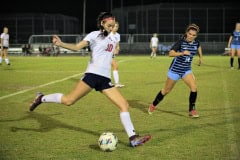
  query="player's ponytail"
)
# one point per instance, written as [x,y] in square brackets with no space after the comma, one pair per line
[103,16]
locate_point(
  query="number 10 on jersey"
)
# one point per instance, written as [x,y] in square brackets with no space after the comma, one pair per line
[109,48]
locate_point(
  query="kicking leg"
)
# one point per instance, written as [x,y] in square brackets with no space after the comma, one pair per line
[168,87]
[114,95]
[78,92]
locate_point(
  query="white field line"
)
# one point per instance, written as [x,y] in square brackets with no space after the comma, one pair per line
[47,84]
[232,137]
[34,71]
[40,86]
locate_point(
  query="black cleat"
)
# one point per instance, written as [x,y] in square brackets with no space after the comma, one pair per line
[37,101]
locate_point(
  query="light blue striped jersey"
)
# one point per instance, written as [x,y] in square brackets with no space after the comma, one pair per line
[181,64]
[235,38]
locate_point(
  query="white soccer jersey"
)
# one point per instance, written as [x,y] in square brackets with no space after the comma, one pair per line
[115,36]
[102,52]
[5,39]
[154,41]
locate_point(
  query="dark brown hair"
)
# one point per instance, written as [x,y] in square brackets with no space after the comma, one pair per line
[101,17]
[193,27]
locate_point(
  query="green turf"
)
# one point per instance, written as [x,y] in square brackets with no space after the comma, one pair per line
[54,131]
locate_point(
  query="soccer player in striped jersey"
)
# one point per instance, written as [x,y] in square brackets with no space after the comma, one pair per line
[183,52]
[97,76]
[234,44]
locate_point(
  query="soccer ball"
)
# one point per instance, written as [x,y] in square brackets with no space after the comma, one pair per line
[108,141]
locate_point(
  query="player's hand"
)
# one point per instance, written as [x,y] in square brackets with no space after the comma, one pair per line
[56,40]
[186,52]
[116,51]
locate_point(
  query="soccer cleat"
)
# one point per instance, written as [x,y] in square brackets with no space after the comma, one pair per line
[119,85]
[151,109]
[137,140]
[193,114]
[36,101]
[9,64]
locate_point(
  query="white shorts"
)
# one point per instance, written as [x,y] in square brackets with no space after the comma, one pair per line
[154,46]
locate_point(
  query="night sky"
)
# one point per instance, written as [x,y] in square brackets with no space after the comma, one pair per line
[69,7]
[75,7]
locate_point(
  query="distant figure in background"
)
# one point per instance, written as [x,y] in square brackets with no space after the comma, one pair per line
[24,49]
[116,36]
[28,49]
[4,46]
[56,51]
[234,44]
[154,45]
[46,51]
[40,50]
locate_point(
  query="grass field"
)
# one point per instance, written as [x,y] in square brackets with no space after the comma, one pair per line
[54,131]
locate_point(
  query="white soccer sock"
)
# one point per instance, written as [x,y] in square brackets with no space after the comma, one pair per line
[7,60]
[116,76]
[0,59]
[127,123]
[56,98]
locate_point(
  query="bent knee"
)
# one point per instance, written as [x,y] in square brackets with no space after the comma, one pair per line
[68,101]
[115,67]
[124,107]
[166,91]
[194,89]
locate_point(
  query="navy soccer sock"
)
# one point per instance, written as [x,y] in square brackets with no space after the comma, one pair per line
[158,98]
[192,100]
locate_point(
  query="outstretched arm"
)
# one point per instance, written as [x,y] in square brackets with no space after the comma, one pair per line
[75,47]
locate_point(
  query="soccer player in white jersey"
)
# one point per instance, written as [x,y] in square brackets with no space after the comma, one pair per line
[4,46]
[116,37]
[183,52]
[154,45]
[97,76]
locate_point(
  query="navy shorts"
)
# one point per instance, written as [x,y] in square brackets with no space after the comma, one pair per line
[97,82]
